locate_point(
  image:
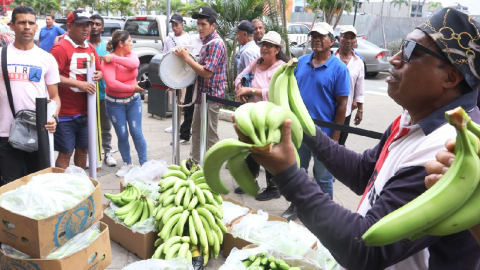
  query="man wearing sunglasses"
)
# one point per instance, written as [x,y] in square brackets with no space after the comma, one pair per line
[435,71]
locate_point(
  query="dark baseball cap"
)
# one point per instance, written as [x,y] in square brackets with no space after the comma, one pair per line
[245,26]
[78,16]
[206,12]
[176,18]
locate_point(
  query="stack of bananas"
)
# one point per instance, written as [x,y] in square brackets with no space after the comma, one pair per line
[450,206]
[263,262]
[261,122]
[138,210]
[188,215]
[124,197]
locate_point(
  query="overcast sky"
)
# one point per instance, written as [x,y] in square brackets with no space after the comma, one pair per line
[473,5]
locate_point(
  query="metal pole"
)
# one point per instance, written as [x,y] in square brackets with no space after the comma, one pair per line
[355,15]
[203,127]
[168,17]
[175,129]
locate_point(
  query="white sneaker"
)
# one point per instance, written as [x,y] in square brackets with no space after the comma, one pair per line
[169,129]
[109,160]
[124,170]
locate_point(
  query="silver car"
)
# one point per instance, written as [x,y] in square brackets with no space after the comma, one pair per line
[374,57]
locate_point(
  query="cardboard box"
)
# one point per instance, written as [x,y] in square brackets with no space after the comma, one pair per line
[122,185]
[38,238]
[96,256]
[142,245]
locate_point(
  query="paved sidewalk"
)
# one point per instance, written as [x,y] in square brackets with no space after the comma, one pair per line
[379,112]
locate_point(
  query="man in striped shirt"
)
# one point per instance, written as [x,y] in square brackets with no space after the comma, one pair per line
[212,70]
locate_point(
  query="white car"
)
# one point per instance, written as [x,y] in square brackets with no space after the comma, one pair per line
[297,33]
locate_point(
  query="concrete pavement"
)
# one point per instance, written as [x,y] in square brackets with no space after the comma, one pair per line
[379,112]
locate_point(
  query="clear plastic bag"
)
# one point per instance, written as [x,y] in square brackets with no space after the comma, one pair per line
[234,260]
[48,194]
[77,243]
[151,172]
[157,264]
[145,227]
[289,238]
[232,211]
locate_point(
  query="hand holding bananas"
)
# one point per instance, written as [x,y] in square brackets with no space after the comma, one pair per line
[436,169]
[446,208]
[188,215]
[258,125]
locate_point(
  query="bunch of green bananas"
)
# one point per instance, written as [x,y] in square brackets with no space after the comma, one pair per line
[283,91]
[124,197]
[188,216]
[261,261]
[450,206]
[137,210]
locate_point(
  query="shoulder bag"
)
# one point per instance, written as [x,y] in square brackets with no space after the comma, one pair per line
[23,131]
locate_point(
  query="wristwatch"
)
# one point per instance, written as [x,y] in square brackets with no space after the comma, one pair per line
[55,117]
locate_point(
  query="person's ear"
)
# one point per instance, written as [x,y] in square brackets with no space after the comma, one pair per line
[452,77]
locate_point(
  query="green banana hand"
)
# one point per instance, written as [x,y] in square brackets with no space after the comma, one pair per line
[258,116]
[244,122]
[298,107]
[271,88]
[438,202]
[238,169]
[216,156]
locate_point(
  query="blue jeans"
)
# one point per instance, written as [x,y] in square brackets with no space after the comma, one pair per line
[120,114]
[322,176]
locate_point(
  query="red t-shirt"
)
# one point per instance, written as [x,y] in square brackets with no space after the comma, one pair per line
[72,63]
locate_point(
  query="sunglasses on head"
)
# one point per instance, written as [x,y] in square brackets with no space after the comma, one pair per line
[408,46]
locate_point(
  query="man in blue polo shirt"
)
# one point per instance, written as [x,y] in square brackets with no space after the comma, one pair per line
[324,84]
[49,33]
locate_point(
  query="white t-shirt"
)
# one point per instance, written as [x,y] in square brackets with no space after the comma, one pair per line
[30,72]
[185,39]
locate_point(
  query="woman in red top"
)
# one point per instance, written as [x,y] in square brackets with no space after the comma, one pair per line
[122,99]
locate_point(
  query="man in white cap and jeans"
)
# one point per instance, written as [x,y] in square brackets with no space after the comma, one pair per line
[346,41]
[324,84]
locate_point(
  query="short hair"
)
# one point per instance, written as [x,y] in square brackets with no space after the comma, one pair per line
[51,16]
[210,20]
[23,10]
[256,20]
[330,35]
[97,17]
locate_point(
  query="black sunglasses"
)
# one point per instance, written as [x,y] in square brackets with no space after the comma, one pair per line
[408,46]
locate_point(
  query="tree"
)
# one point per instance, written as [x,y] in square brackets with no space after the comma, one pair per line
[399,3]
[330,8]
[434,5]
[74,4]
[44,6]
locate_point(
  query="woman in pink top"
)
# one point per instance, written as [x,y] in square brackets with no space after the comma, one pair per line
[262,68]
[122,99]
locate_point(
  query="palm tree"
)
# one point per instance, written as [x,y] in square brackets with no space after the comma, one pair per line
[399,3]
[42,6]
[330,8]
[74,4]
[434,5]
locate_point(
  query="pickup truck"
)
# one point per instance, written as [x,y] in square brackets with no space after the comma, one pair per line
[148,32]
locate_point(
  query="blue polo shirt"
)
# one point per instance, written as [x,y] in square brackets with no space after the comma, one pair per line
[48,35]
[319,86]
[102,51]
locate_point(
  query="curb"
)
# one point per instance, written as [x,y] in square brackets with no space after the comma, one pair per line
[225,115]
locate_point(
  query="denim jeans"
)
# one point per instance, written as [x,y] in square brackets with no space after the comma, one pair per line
[322,176]
[120,114]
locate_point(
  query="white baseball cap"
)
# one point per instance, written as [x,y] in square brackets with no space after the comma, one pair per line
[322,28]
[272,37]
[348,28]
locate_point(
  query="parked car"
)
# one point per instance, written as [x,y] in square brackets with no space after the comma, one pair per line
[297,33]
[110,25]
[374,57]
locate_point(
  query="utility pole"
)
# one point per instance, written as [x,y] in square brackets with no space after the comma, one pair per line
[355,15]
